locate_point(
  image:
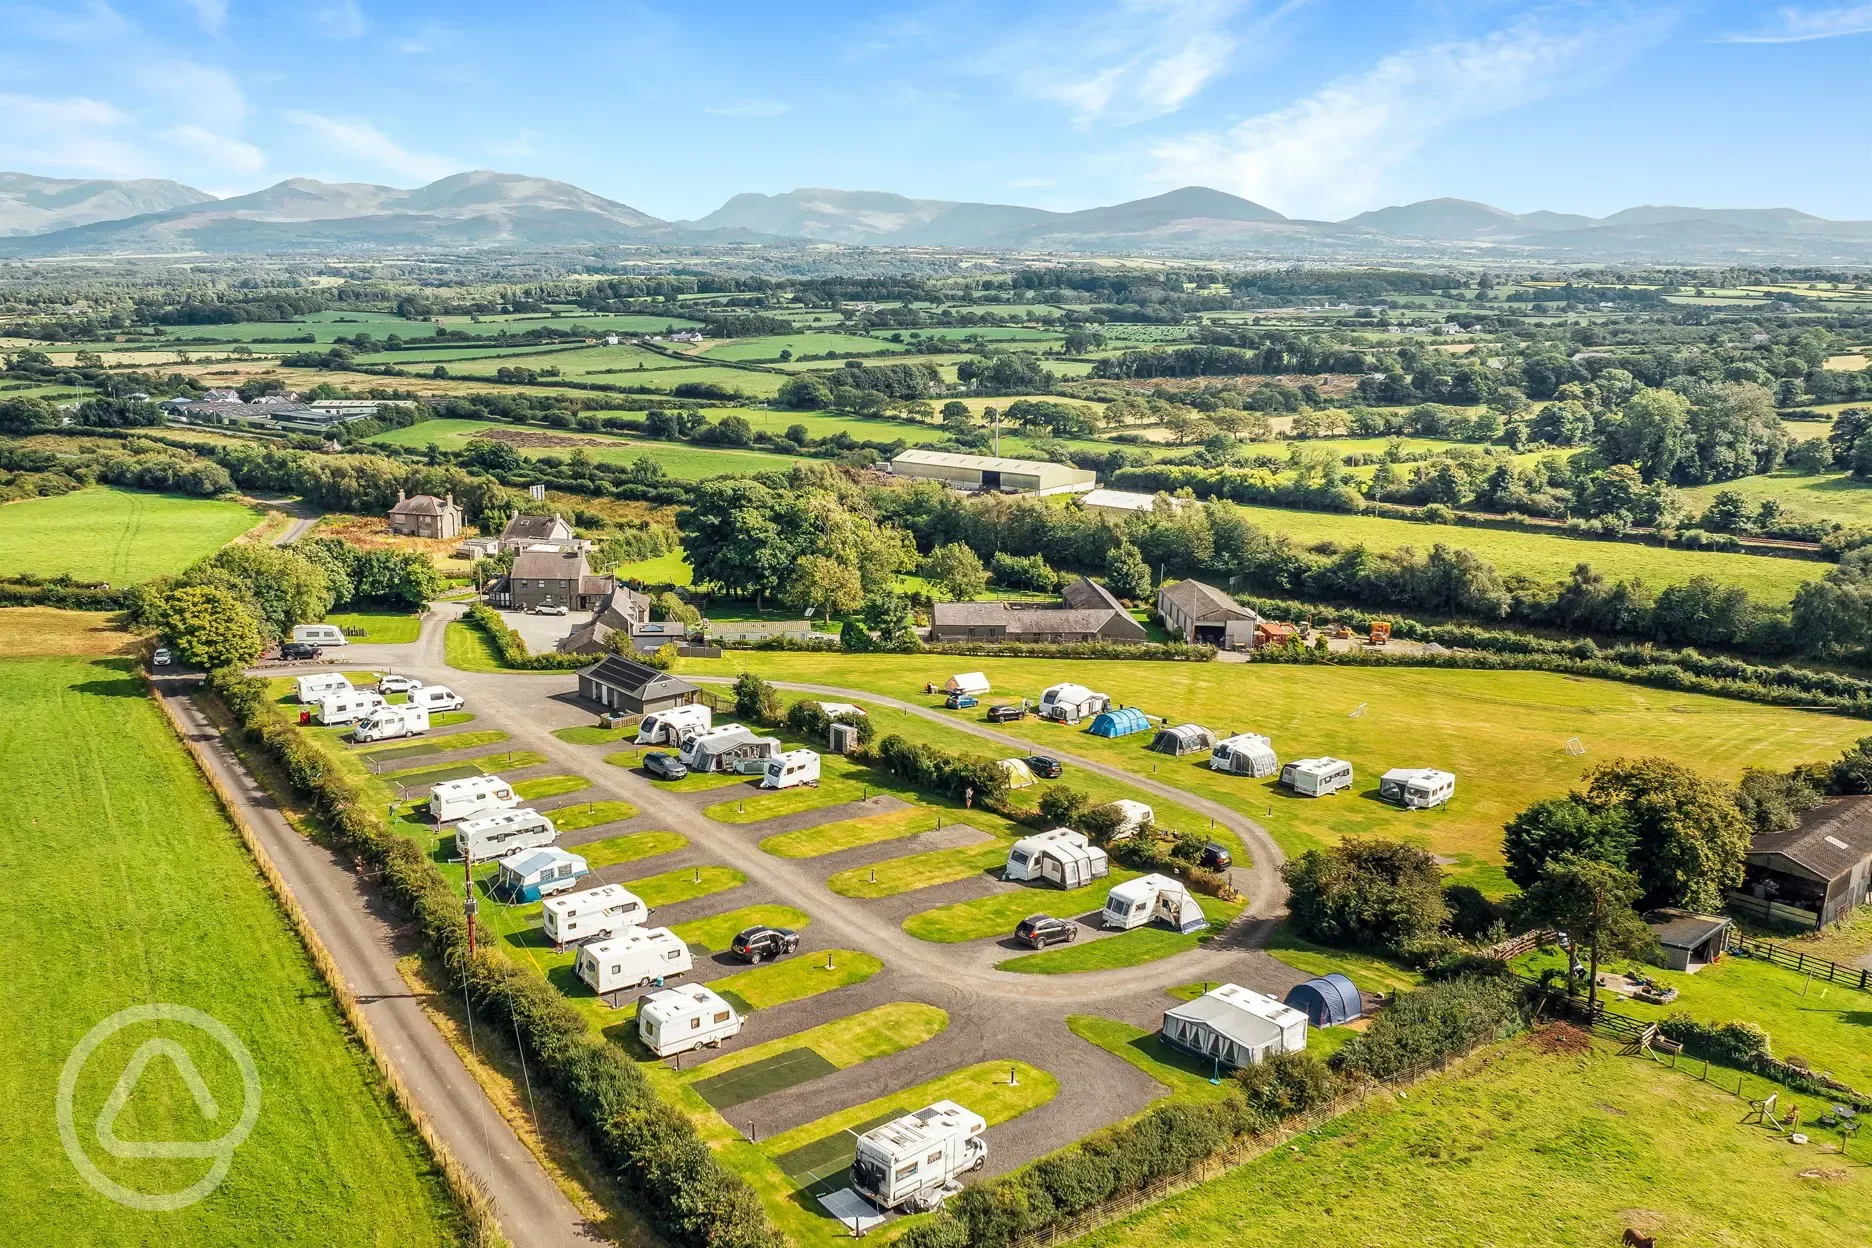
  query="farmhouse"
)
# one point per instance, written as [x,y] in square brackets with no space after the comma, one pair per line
[991,472]
[1816,874]
[1200,613]
[1235,1026]
[549,577]
[525,532]
[1087,612]
[622,611]
[425,515]
[634,688]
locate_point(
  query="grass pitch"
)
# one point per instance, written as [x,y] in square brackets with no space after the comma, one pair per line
[119,536]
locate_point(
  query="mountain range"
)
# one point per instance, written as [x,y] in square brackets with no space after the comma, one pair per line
[481,209]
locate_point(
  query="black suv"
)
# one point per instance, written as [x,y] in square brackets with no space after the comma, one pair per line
[666,766]
[1216,857]
[1041,930]
[757,944]
[300,650]
[1007,713]
[1046,768]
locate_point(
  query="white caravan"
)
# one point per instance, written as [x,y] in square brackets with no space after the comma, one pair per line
[1235,1026]
[457,799]
[636,958]
[319,635]
[1152,897]
[311,688]
[347,707]
[389,722]
[1070,703]
[671,726]
[726,748]
[790,770]
[677,1020]
[593,914]
[1060,856]
[1245,754]
[1133,818]
[1416,788]
[912,1162]
[1317,777]
[499,833]
[437,698]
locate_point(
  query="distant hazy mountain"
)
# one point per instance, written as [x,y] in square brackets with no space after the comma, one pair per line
[35,205]
[1461,219]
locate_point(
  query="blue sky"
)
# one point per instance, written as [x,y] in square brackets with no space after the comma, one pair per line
[1317,108]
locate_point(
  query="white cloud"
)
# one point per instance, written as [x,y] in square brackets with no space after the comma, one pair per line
[69,135]
[341,19]
[1332,152]
[1797,25]
[750,108]
[363,141]
[229,154]
[212,14]
[91,22]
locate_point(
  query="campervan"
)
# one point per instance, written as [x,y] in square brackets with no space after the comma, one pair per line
[635,958]
[912,1162]
[1316,777]
[457,799]
[499,833]
[1060,856]
[311,688]
[671,726]
[389,722]
[348,706]
[593,914]
[677,1020]
[725,748]
[1068,703]
[1246,754]
[790,770]
[1416,788]
[1152,897]
[437,698]
[319,635]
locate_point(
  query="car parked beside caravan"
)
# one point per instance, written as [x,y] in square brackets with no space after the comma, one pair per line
[437,698]
[457,799]
[309,689]
[496,834]
[1152,898]
[592,914]
[386,723]
[680,1020]
[319,635]
[726,748]
[790,770]
[671,726]
[342,707]
[636,958]
[1316,777]
[393,683]
[912,1162]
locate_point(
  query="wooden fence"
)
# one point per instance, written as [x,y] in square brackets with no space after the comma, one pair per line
[1801,963]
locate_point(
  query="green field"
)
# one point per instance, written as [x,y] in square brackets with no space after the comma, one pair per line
[800,344]
[1819,496]
[679,459]
[127,836]
[120,536]
[380,628]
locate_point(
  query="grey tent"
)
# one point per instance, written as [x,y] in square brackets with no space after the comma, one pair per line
[1327,1001]
[1183,739]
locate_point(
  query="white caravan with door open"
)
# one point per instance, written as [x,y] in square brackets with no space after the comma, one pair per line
[677,1020]
[348,706]
[1152,897]
[499,833]
[593,914]
[637,958]
[457,799]
[311,688]
[790,770]
[386,723]
[912,1162]
[671,726]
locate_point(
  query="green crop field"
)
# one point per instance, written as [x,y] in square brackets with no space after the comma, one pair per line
[1819,496]
[160,903]
[769,348]
[120,536]
[602,362]
[679,459]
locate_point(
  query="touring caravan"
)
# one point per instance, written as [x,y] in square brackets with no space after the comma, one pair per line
[636,958]
[1132,818]
[912,1162]
[319,635]
[437,698]
[1246,754]
[1416,788]
[1069,703]
[1316,777]
[1060,856]
[790,770]
[321,684]
[457,799]
[386,723]
[1152,897]
[532,874]
[348,706]
[592,914]
[496,834]
[726,748]
[973,683]
[678,1020]
[671,726]
[1235,1026]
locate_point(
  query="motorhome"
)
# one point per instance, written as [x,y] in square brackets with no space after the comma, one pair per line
[592,914]
[913,1162]
[678,1020]
[1152,898]
[671,726]
[319,635]
[386,723]
[636,958]
[1060,856]
[321,684]
[1316,777]
[495,834]
[1069,703]
[531,874]
[1245,754]
[437,698]
[348,706]
[1416,788]
[725,748]
[457,799]
[790,770]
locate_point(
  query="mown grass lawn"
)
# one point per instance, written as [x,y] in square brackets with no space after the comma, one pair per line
[996,916]
[1368,971]
[380,754]
[487,764]
[577,817]
[119,536]
[1185,1076]
[168,907]
[1132,948]
[798,977]
[549,786]
[684,884]
[761,804]
[694,782]
[890,825]
[630,847]
[914,871]
[844,1042]
[380,628]
[592,734]
[718,931]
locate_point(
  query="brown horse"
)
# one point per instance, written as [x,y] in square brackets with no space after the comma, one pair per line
[1634,1240]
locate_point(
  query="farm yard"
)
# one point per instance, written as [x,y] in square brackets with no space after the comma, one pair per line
[120,536]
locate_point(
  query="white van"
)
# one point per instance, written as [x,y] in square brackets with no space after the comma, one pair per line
[457,799]
[347,707]
[389,722]
[1316,777]
[678,1020]
[437,698]
[912,1162]
[671,726]
[319,635]
[790,770]
[311,688]
[592,914]
[500,833]
[638,958]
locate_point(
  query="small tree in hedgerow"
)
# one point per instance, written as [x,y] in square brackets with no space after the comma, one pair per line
[755,699]
[1592,902]
[211,628]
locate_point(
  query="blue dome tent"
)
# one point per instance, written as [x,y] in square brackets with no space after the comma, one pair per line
[1328,1000]
[1119,723]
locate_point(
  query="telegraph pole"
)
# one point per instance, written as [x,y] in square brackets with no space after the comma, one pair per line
[469,903]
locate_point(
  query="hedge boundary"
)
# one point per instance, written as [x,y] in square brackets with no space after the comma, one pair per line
[512,649]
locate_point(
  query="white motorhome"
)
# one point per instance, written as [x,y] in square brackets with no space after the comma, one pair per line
[677,1020]
[912,1162]
[311,688]
[437,698]
[1316,777]
[1069,703]
[1245,754]
[671,726]
[1152,897]
[319,635]
[389,722]
[457,799]
[593,914]
[726,748]
[790,770]
[1060,856]
[636,958]
[1416,788]
[347,707]
[497,834]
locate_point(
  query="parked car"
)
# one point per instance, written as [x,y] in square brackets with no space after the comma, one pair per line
[664,766]
[1041,930]
[162,657]
[757,944]
[1046,768]
[550,608]
[1007,713]
[300,650]
[1216,857]
[398,684]
[961,701]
